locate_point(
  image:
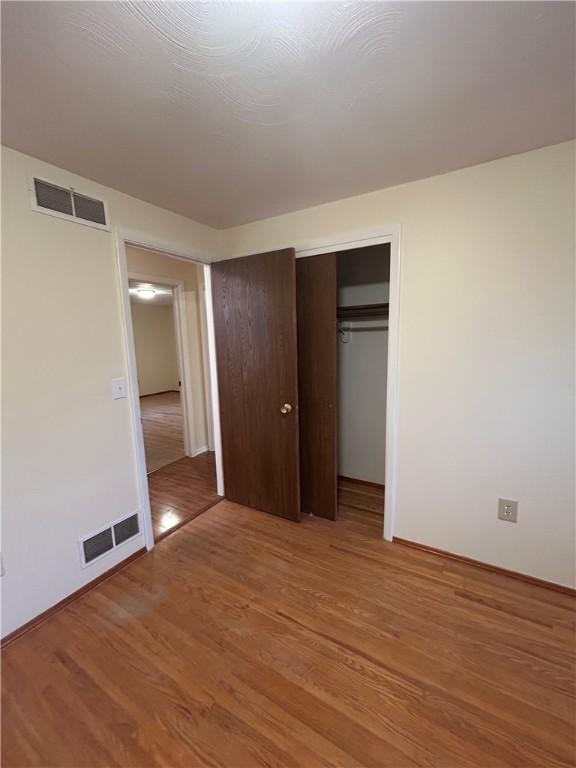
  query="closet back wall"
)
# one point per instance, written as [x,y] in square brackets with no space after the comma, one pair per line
[362,365]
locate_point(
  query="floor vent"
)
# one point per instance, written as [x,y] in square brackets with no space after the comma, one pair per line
[66,203]
[98,544]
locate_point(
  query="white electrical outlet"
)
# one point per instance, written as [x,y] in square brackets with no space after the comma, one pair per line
[508,510]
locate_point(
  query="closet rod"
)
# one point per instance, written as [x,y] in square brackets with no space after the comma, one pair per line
[361,311]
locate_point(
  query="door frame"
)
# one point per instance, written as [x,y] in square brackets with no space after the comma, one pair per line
[344,241]
[378,236]
[144,241]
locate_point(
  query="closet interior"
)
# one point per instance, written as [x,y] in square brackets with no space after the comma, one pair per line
[363,284]
[342,309]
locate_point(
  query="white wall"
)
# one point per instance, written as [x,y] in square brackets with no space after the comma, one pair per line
[155,347]
[158,266]
[68,448]
[486,351]
[362,368]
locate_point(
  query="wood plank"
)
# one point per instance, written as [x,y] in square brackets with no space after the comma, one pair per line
[163,428]
[317,383]
[242,640]
[181,491]
[255,329]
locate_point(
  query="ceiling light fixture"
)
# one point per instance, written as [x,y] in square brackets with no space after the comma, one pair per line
[146,293]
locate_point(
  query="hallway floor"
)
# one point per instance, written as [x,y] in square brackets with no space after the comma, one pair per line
[180,491]
[163,427]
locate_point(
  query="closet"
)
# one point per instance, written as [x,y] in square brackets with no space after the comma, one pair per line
[301,348]
[363,278]
[342,308]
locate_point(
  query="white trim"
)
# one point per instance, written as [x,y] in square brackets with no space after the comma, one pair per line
[389,233]
[123,237]
[200,451]
[182,353]
[214,382]
[150,243]
[70,217]
[134,395]
[332,244]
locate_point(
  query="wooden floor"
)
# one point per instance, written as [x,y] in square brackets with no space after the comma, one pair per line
[363,504]
[181,491]
[246,640]
[163,427]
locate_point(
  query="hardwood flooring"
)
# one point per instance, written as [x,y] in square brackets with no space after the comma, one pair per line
[163,427]
[247,640]
[181,491]
[363,505]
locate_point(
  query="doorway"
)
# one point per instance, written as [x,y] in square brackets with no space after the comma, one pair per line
[166,330]
[363,291]
[276,320]
[159,372]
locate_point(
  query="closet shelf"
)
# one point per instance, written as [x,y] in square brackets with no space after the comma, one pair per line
[362,311]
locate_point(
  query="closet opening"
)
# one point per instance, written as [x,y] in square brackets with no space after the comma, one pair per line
[363,289]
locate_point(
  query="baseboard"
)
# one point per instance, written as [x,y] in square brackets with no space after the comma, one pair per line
[367,483]
[203,449]
[164,392]
[25,628]
[487,566]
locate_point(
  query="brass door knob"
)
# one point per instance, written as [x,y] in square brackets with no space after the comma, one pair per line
[286,408]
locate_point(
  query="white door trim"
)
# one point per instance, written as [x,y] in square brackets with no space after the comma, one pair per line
[126,237]
[387,233]
[215,398]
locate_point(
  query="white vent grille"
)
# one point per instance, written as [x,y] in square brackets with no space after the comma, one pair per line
[54,198]
[67,203]
[100,543]
[89,209]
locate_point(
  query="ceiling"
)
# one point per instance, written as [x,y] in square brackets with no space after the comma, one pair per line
[164,294]
[232,112]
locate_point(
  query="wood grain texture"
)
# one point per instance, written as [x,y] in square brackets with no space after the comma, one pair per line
[163,428]
[317,383]
[255,328]
[364,496]
[181,491]
[242,641]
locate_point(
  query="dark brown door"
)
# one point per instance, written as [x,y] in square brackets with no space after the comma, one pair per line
[317,383]
[255,329]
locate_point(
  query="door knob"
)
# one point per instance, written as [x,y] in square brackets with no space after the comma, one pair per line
[286,408]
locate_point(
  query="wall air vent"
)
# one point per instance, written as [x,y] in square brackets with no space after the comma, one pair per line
[98,544]
[125,529]
[89,209]
[67,203]
[54,198]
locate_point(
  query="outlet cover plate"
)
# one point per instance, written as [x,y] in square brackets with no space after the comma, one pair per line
[508,510]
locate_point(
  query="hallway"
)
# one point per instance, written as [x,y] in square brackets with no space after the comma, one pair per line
[163,427]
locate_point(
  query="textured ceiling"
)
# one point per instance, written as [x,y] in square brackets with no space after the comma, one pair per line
[231,112]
